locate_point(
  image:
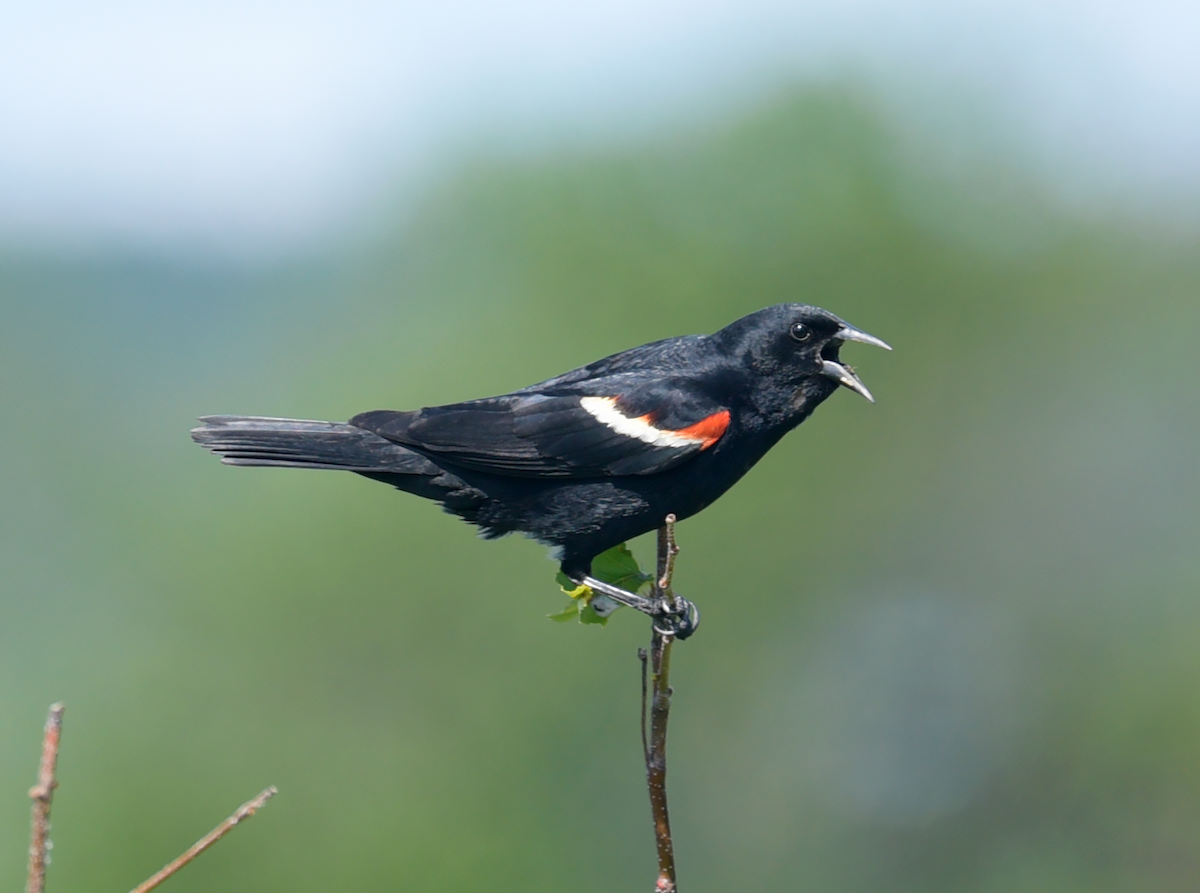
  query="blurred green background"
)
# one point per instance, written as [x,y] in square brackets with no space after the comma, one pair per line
[950,641]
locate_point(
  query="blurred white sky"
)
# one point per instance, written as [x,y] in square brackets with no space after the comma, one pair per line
[260,125]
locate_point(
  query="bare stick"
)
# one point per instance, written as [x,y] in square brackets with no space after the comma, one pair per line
[243,812]
[667,550]
[42,793]
[644,657]
[660,710]
[656,759]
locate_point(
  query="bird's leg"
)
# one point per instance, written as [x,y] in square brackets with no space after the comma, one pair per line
[680,622]
[619,595]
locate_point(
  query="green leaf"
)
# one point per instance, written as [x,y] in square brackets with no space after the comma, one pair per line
[570,612]
[581,609]
[587,614]
[616,566]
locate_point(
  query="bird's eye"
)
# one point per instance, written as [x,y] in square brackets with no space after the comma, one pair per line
[800,332]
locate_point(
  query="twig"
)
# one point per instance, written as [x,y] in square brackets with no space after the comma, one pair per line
[42,793]
[667,550]
[643,656]
[656,759]
[243,812]
[660,709]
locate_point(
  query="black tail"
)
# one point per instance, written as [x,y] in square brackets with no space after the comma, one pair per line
[298,443]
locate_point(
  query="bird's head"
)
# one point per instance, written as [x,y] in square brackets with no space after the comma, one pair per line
[796,346]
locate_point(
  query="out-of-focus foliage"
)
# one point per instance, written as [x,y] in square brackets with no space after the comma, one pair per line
[950,642]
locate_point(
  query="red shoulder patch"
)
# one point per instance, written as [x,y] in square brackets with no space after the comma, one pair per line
[708,431]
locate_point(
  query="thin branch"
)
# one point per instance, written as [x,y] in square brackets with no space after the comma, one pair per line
[667,550]
[656,759]
[42,793]
[660,709]
[243,812]
[644,657]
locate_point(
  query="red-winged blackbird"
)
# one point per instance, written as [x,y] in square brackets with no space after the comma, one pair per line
[593,457]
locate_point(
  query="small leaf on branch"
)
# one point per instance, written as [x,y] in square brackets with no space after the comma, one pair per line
[570,612]
[616,566]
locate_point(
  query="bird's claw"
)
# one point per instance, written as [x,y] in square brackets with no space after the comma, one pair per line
[679,620]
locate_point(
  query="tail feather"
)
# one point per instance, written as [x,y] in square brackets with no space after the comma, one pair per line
[302,443]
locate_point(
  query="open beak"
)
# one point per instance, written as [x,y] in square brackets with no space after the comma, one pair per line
[844,375]
[849,333]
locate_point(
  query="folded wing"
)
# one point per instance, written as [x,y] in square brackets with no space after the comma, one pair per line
[559,435]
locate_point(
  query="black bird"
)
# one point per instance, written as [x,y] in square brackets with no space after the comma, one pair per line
[593,457]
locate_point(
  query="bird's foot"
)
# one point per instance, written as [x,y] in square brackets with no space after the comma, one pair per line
[680,619]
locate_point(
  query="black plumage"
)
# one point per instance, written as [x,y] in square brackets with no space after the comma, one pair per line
[592,457]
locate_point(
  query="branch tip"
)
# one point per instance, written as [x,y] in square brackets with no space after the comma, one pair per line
[247,809]
[42,794]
